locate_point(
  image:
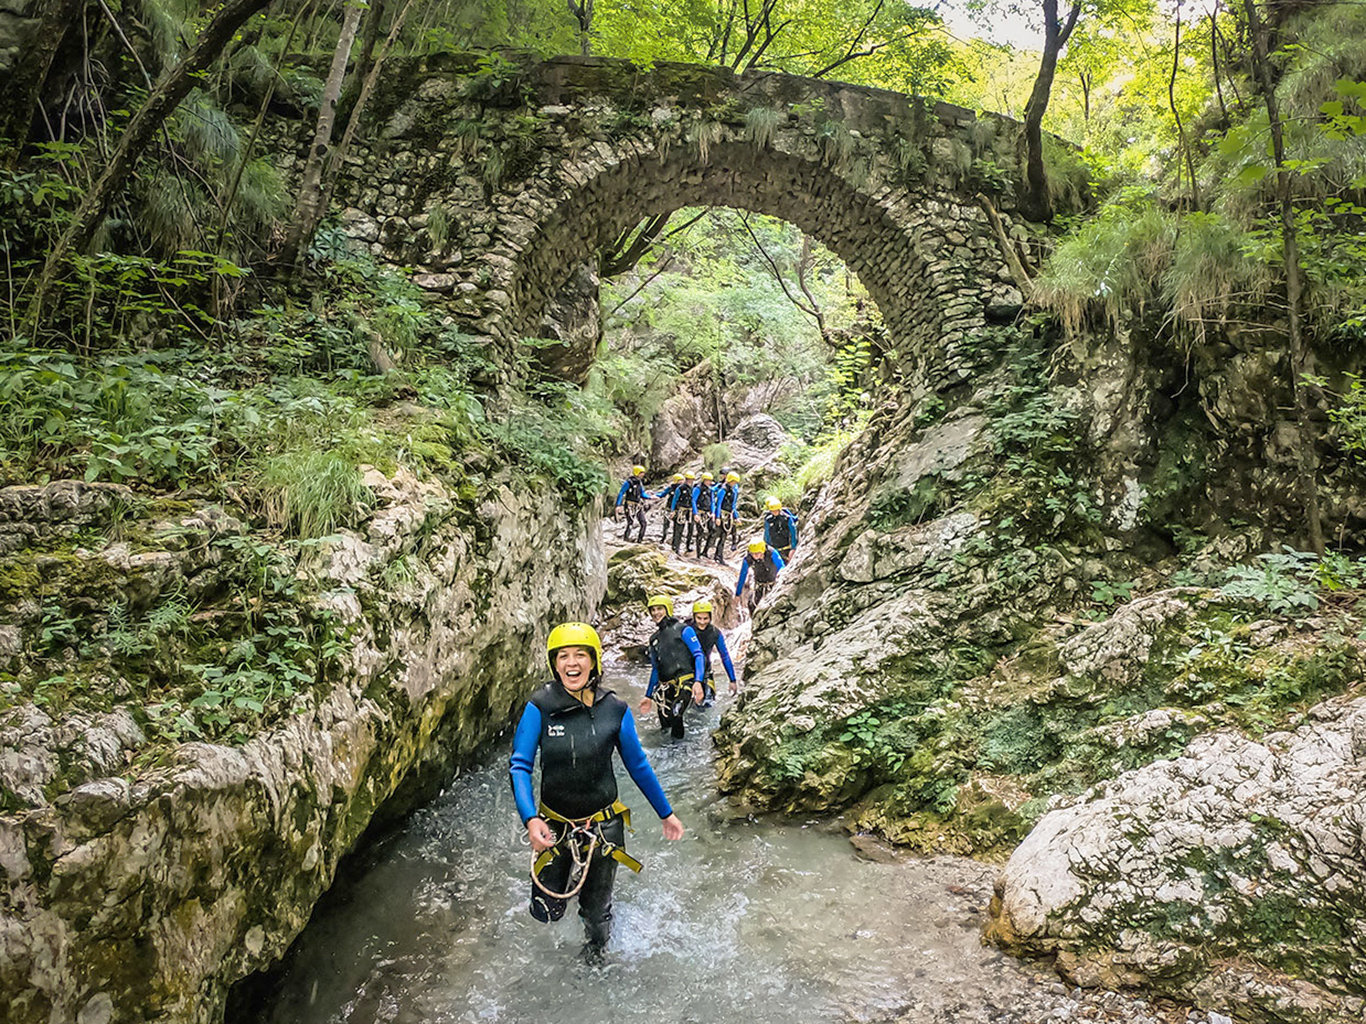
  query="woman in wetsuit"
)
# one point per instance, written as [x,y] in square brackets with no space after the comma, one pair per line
[576,726]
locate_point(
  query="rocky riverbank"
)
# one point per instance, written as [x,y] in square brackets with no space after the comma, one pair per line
[144,874]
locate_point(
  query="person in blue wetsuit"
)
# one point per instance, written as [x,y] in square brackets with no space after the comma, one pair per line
[765,564]
[576,725]
[675,483]
[676,667]
[632,495]
[684,509]
[726,514]
[711,639]
[780,528]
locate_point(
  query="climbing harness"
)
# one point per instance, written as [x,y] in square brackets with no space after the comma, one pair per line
[583,838]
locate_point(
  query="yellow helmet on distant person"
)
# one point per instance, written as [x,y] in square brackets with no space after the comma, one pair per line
[690,475]
[774,504]
[701,607]
[732,478]
[708,477]
[758,546]
[574,634]
[677,478]
[663,599]
[637,470]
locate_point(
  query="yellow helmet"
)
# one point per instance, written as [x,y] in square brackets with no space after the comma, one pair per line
[574,634]
[774,504]
[664,599]
[689,476]
[637,470]
[732,478]
[708,477]
[701,607]
[758,546]
[677,478]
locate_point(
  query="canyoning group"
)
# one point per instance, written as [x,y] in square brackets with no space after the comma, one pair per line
[577,828]
[704,513]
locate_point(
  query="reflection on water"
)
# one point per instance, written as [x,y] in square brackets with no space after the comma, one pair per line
[738,922]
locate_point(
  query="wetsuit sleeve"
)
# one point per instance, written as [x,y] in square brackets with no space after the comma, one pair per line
[744,571]
[792,527]
[725,655]
[778,562]
[524,743]
[621,494]
[638,767]
[693,499]
[654,675]
[699,661]
[766,539]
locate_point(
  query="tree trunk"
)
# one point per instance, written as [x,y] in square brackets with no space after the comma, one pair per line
[23,86]
[161,102]
[1306,458]
[1036,204]
[335,168]
[308,208]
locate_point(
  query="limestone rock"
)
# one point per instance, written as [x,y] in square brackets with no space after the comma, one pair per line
[213,861]
[1231,875]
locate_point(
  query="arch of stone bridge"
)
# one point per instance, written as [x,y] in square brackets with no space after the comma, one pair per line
[528,190]
[921,255]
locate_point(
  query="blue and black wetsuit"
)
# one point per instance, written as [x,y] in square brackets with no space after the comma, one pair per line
[780,531]
[676,662]
[577,781]
[632,494]
[766,568]
[712,639]
[684,508]
[669,494]
[727,513]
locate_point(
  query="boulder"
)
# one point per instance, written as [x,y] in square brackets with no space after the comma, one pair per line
[1232,875]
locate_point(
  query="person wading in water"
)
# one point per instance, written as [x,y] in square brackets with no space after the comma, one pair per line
[711,639]
[676,668]
[577,832]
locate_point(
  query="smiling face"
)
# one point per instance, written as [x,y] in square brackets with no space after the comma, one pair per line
[703,619]
[574,666]
[657,612]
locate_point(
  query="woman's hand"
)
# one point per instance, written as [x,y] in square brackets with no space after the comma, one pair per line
[697,693]
[673,828]
[646,706]
[734,687]
[541,835]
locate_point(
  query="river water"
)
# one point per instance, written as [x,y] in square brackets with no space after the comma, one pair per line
[740,922]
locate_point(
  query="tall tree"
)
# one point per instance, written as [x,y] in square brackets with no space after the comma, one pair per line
[308,209]
[1036,203]
[161,103]
[1306,461]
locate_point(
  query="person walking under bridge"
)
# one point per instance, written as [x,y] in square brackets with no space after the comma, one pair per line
[669,495]
[577,830]
[684,509]
[632,495]
[726,515]
[676,667]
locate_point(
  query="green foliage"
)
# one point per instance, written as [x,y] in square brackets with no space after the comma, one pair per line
[1281,581]
[312,491]
[761,123]
[714,456]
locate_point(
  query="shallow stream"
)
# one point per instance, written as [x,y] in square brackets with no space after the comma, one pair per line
[740,922]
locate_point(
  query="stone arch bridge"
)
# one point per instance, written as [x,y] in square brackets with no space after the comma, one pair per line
[499,181]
